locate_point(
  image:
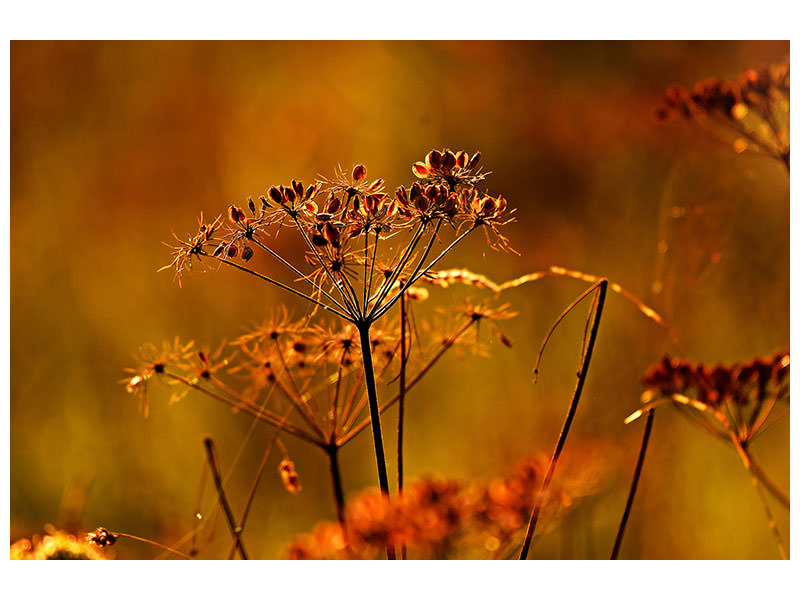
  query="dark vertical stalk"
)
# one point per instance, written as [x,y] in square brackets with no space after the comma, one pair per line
[223,500]
[375,416]
[634,483]
[401,407]
[576,396]
[336,479]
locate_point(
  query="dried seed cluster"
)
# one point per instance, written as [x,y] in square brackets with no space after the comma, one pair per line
[754,109]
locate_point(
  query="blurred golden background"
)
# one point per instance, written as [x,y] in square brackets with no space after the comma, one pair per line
[116,144]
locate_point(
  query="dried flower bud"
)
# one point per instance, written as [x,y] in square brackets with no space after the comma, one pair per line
[448,160]
[332,204]
[247,253]
[276,195]
[235,214]
[420,170]
[331,234]
[462,159]
[101,537]
[232,251]
[297,186]
[289,476]
[434,160]
[251,205]
[359,173]
[474,161]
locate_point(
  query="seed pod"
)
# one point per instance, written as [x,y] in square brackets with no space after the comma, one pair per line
[506,342]
[488,207]
[448,160]
[375,185]
[434,160]
[297,186]
[474,161]
[332,204]
[359,173]
[318,240]
[331,234]
[311,191]
[251,205]
[289,194]
[276,195]
[247,253]
[461,159]
[420,170]
[289,476]
[218,250]
[232,251]
[235,214]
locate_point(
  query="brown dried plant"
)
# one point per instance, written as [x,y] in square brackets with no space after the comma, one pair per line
[348,227]
[732,402]
[751,113]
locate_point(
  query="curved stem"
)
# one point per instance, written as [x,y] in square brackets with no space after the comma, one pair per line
[223,499]
[375,417]
[576,396]
[634,483]
[152,543]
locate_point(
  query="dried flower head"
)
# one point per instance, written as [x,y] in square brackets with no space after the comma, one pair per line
[751,113]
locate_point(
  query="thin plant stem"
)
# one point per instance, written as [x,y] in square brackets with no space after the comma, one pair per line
[398,269]
[213,464]
[648,426]
[254,411]
[401,408]
[375,418]
[152,543]
[414,380]
[562,438]
[377,309]
[351,302]
[283,286]
[297,271]
[252,494]
[768,484]
[332,451]
[419,273]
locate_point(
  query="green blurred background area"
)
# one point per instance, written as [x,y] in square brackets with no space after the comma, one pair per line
[114,145]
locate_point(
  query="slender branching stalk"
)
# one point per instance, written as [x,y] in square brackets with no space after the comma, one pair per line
[600,289]
[152,543]
[213,464]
